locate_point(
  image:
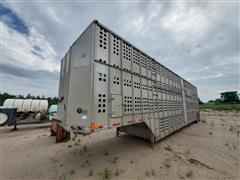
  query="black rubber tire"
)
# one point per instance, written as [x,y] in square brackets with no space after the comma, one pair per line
[5,123]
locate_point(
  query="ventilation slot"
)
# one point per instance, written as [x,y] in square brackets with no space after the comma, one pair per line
[116,45]
[127,103]
[137,85]
[145,104]
[103,39]
[102,77]
[101,103]
[116,80]
[127,83]
[137,104]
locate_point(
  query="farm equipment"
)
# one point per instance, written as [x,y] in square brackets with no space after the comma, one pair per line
[23,111]
[231,96]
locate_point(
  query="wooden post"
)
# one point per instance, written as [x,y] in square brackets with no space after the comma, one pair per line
[61,134]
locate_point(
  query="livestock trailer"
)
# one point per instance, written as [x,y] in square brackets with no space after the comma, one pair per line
[106,82]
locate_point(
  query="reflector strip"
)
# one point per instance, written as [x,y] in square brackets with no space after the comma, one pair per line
[96,126]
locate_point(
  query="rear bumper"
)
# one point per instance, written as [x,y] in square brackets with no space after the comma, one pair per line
[76,129]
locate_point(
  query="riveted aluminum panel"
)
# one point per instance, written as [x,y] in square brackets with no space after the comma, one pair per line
[78,81]
[101,96]
[158,76]
[115,51]
[156,112]
[127,93]
[154,76]
[136,62]
[150,96]
[115,81]
[155,101]
[149,67]
[137,98]
[144,64]
[102,44]
[145,103]
[116,105]
[126,57]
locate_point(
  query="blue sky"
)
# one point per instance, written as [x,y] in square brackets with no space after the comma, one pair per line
[197,40]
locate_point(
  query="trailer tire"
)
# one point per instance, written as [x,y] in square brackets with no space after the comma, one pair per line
[3,118]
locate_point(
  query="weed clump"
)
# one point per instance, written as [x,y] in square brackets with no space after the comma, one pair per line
[107,173]
[168,148]
[153,172]
[90,172]
[115,160]
[167,163]
[189,173]
[85,148]
[106,153]
[77,144]
[72,172]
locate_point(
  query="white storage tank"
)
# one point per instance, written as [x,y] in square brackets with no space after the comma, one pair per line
[26,105]
[35,105]
[43,105]
[8,103]
[18,103]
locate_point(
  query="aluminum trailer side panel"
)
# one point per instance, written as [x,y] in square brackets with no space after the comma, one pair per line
[76,85]
[118,85]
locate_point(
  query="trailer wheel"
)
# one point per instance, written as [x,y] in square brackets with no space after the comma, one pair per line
[3,118]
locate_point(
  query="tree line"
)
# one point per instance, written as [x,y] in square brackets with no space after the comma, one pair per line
[4,96]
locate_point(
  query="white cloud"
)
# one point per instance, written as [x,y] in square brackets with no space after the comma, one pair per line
[186,22]
[17,49]
[53,15]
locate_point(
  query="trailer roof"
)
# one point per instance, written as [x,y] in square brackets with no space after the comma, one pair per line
[115,34]
[100,24]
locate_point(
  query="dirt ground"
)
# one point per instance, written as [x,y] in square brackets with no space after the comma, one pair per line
[207,150]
